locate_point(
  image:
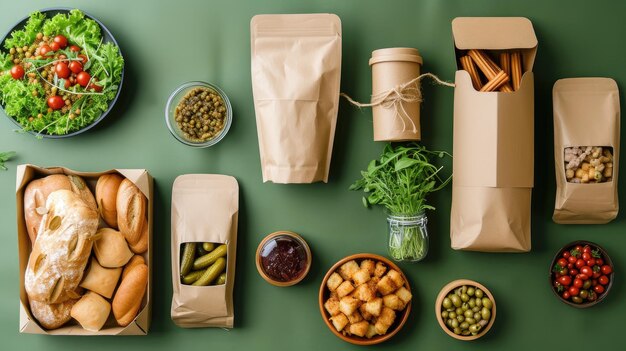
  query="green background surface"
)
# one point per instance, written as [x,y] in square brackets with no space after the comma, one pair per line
[167,43]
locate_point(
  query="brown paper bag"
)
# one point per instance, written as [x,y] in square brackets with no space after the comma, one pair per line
[296,66]
[205,208]
[586,113]
[493,143]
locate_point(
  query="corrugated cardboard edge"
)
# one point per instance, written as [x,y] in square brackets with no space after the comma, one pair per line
[27,324]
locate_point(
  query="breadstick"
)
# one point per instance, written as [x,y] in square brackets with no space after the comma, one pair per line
[498,81]
[516,69]
[488,67]
[505,62]
[468,65]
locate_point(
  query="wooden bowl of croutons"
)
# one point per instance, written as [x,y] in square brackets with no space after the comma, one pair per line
[365,299]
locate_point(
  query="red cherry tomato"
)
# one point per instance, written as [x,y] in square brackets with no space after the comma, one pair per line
[562,262]
[573,272]
[55,47]
[565,280]
[582,277]
[83,58]
[599,261]
[67,83]
[572,259]
[74,48]
[586,270]
[580,263]
[594,282]
[98,89]
[573,291]
[586,256]
[566,254]
[62,70]
[55,102]
[61,41]
[587,249]
[599,289]
[606,269]
[45,50]
[604,280]
[579,248]
[570,265]
[75,67]
[83,78]
[578,283]
[566,295]
[591,262]
[596,275]
[17,72]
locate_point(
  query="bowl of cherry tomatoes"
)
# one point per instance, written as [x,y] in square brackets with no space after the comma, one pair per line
[581,274]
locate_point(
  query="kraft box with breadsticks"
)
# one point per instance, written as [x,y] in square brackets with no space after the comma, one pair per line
[493,134]
[84,251]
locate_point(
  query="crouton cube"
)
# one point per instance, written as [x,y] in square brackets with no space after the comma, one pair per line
[396,277]
[355,317]
[344,288]
[385,320]
[374,307]
[371,331]
[347,305]
[359,329]
[368,265]
[334,281]
[364,292]
[339,321]
[332,306]
[386,286]
[361,276]
[380,269]
[394,302]
[363,310]
[347,269]
[404,294]
[334,294]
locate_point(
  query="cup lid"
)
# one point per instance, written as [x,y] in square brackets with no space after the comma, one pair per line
[396,54]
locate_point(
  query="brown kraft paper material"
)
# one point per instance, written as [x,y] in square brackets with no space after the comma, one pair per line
[141,324]
[493,144]
[205,208]
[586,113]
[296,67]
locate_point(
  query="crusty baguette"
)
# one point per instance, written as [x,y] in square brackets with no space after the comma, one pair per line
[60,253]
[135,260]
[52,316]
[142,245]
[129,295]
[131,211]
[106,197]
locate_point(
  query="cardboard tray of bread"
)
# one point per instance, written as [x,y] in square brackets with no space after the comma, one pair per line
[84,251]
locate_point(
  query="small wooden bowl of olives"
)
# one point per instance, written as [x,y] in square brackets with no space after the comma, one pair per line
[198,114]
[465,309]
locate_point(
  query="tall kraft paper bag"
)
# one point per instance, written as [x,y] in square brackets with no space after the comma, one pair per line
[586,113]
[205,208]
[296,68]
[493,143]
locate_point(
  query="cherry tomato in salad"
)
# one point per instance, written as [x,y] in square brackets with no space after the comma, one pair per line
[45,50]
[83,78]
[60,40]
[17,72]
[62,70]
[586,270]
[83,58]
[75,67]
[74,48]
[565,280]
[606,269]
[604,280]
[55,102]
[599,289]
[54,47]
[97,88]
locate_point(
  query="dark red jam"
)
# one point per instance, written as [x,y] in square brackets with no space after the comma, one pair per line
[283,258]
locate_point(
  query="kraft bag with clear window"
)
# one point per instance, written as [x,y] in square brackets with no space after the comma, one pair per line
[296,68]
[586,150]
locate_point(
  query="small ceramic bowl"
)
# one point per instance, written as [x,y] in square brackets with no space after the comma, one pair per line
[170,115]
[552,275]
[324,293]
[283,258]
[450,287]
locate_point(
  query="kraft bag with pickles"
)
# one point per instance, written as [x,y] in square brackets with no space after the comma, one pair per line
[586,150]
[296,68]
[205,209]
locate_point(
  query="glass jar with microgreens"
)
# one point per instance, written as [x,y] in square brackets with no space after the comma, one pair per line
[400,181]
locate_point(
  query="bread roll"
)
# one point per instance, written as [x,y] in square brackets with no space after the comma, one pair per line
[129,295]
[100,279]
[135,260]
[131,211]
[56,264]
[37,192]
[142,245]
[106,197]
[91,311]
[111,248]
[52,316]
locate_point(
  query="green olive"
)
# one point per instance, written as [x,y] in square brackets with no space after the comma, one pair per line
[485,313]
[457,331]
[449,323]
[479,302]
[464,297]
[475,328]
[465,306]
[456,300]
[463,289]
[477,316]
[451,315]
[478,293]
[464,325]
[454,323]
[444,314]
[460,318]
[470,320]
[447,303]
[468,314]
[465,332]
[476,309]
[459,310]
[472,303]
[471,291]
[487,303]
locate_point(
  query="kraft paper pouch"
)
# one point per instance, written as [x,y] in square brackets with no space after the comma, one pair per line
[493,143]
[205,208]
[586,113]
[296,67]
